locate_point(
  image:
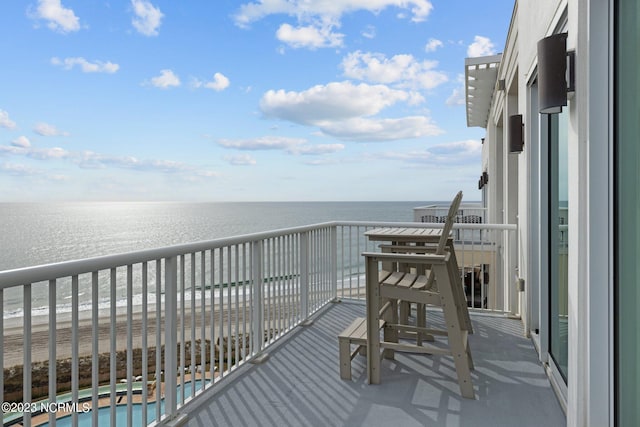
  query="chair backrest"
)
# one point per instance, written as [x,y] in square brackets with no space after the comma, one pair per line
[448,224]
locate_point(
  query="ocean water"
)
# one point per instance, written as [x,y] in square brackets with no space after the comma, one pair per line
[43,233]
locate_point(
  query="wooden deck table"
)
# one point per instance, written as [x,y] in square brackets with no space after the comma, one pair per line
[410,235]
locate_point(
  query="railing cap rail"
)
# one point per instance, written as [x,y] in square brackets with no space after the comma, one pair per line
[456,225]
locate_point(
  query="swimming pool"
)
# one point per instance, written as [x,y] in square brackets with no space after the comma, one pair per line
[104,413]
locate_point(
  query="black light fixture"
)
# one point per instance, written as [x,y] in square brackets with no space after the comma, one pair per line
[485,177]
[480,183]
[516,133]
[553,80]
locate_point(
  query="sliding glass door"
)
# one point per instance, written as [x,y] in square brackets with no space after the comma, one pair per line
[627,207]
[558,240]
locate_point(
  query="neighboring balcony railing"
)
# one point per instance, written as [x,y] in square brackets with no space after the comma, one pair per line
[467,214]
[156,328]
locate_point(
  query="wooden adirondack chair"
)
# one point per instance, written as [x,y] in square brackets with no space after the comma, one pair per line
[426,275]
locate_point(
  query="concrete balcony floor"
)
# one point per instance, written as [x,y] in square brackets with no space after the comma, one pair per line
[300,385]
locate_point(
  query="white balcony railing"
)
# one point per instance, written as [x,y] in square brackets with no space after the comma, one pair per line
[165,325]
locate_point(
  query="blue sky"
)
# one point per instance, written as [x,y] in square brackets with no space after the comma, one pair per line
[274,100]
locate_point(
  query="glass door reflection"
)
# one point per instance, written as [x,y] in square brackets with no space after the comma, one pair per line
[559,239]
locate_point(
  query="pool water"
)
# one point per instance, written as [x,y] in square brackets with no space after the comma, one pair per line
[104,413]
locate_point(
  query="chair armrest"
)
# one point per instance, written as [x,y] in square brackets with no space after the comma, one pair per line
[408,258]
[429,247]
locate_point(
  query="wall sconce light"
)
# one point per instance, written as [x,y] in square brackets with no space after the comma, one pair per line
[480,184]
[516,133]
[482,139]
[485,177]
[553,79]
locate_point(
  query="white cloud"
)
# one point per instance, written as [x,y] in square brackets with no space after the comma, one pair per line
[481,46]
[369,32]
[240,160]
[432,45]
[457,97]
[58,17]
[316,19]
[165,80]
[5,121]
[86,66]
[22,147]
[376,130]
[219,83]
[321,161]
[17,169]
[313,150]
[22,142]
[148,17]
[11,149]
[453,153]
[92,160]
[290,145]
[262,143]
[334,101]
[466,148]
[401,70]
[46,129]
[311,36]
[208,174]
[414,156]
[48,153]
[323,10]
[20,170]
[344,110]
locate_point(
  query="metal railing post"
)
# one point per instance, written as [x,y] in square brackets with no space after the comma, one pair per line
[334,261]
[513,263]
[257,276]
[2,346]
[171,335]
[26,370]
[304,275]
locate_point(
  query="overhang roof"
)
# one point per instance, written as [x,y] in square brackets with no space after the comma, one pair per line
[480,81]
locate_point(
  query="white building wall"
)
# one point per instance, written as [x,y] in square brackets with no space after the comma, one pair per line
[589,395]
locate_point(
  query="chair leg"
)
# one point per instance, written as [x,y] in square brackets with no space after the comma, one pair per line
[390,334]
[345,359]
[373,333]
[421,321]
[459,291]
[457,340]
[405,308]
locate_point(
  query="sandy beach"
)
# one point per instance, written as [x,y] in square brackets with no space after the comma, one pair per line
[14,333]
[14,338]
[14,350]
